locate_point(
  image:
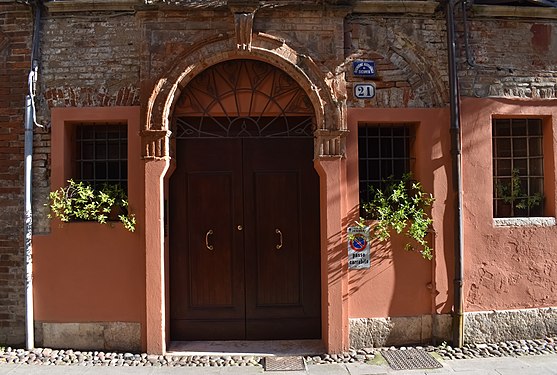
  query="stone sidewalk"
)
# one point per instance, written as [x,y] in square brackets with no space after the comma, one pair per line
[526,365]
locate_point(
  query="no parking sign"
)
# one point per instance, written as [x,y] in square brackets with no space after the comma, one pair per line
[358,247]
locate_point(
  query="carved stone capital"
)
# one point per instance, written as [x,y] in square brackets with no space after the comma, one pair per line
[243,24]
[330,143]
[155,143]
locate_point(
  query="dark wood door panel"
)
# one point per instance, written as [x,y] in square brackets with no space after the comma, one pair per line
[207,298]
[277,267]
[210,240]
[245,287]
[282,285]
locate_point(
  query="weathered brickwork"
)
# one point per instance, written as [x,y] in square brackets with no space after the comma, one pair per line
[15,36]
[510,58]
[410,55]
[90,60]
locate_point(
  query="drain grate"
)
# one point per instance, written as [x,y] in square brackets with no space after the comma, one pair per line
[285,364]
[410,359]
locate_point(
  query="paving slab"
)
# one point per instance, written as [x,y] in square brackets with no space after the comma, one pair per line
[531,365]
[332,369]
[486,364]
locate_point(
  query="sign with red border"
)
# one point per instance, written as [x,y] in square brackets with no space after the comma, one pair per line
[358,248]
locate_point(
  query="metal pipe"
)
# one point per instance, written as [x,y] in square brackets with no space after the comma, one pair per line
[458,313]
[29,122]
[28,225]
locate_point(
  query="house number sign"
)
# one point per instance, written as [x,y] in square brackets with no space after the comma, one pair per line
[364,90]
[358,248]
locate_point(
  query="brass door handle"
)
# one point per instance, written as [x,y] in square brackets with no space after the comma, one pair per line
[210,247]
[277,231]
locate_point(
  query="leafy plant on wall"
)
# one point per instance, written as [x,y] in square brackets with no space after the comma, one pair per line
[401,207]
[512,193]
[79,201]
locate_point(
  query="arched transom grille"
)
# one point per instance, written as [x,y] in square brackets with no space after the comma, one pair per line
[243,98]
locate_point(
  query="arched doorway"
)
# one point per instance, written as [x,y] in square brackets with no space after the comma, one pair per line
[244,208]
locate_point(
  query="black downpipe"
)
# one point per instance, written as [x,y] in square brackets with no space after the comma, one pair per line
[458,313]
[29,123]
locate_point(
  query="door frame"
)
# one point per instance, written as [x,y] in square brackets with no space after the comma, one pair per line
[329,162]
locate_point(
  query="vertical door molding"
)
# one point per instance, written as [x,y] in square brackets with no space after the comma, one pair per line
[155,285]
[334,266]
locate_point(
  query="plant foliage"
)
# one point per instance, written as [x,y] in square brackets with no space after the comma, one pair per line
[401,206]
[512,193]
[79,201]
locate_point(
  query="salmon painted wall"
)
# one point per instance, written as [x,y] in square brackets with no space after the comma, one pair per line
[401,283]
[88,272]
[505,267]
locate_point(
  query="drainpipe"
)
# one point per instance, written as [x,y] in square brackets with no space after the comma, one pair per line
[458,313]
[30,121]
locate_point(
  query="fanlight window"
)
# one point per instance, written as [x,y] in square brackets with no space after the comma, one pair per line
[243,98]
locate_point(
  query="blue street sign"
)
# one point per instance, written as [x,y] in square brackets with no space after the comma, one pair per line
[363,68]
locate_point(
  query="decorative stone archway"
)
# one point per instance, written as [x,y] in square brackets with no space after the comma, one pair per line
[325,90]
[327,95]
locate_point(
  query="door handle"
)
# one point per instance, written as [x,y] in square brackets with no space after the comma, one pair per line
[277,231]
[210,247]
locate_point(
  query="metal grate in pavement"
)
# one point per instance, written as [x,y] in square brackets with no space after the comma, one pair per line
[410,359]
[285,364]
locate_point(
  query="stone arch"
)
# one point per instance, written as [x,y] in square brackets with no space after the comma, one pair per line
[326,92]
[422,75]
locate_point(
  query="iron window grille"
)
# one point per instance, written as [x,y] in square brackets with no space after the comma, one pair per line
[383,152]
[517,167]
[102,154]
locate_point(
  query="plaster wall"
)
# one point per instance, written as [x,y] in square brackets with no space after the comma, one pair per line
[86,272]
[401,283]
[505,267]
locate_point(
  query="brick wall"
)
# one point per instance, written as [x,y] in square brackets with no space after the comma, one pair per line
[15,39]
[514,57]
[410,55]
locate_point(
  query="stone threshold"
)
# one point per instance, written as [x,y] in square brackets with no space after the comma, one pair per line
[246,348]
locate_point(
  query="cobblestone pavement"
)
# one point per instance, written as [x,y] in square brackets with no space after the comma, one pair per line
[522,357]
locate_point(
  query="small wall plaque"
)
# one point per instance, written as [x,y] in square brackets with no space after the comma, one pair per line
[364,90]
[363,68]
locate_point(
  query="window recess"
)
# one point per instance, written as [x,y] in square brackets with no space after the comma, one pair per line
[518,173]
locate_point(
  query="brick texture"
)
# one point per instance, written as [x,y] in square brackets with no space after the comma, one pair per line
[15,38]
[514,58]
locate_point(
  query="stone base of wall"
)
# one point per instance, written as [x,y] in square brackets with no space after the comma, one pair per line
[479,327]
[504,325]
[106,336]
[377,332]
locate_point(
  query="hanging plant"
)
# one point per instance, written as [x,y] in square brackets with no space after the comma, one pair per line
[79,201]
[401,206]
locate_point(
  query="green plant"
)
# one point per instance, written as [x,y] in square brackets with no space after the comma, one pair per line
[512,193]
[400,206]
[79,201]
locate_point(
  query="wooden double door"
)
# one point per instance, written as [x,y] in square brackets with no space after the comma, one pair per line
[244,240]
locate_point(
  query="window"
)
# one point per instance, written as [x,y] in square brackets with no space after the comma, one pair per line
[101,154]
[384,151]
[517,168]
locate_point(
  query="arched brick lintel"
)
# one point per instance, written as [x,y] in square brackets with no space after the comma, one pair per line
[326,91]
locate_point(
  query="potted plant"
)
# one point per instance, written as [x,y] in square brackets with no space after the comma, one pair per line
[400,206]
[79,201]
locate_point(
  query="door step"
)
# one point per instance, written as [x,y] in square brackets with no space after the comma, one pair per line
[270,348]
